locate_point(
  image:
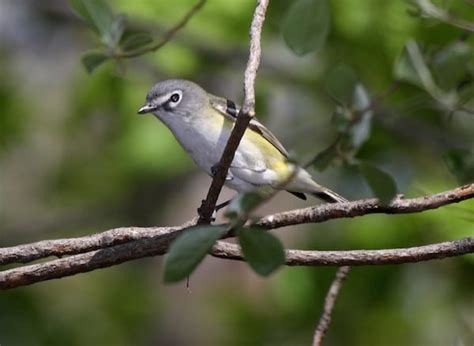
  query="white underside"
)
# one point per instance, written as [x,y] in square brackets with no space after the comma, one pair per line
[205,145]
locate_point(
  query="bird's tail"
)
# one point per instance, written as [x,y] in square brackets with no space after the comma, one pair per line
[304,183]
[328,196]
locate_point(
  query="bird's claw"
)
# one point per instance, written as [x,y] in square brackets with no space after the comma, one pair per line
[214,169]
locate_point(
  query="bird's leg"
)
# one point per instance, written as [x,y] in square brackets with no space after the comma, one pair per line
[199,210]
[219,207]
[214,172]
[216,209]
[222,205]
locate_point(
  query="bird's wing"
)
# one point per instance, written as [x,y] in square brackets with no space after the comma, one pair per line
[230,110]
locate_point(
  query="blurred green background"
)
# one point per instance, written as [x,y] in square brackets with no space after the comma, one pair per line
[76,160]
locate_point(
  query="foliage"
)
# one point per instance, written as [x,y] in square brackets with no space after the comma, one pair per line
[75,160]
[262,251]
[116,38]
[380,182]
[189,249]
[306,25]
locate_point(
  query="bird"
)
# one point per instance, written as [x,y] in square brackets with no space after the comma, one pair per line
[202,122]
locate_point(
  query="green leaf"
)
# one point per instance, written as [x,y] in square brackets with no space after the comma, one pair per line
[91,60]
[113,35]
[101,19]
[263,251]
[81,9]
[412,68]
[381,183]
[405,69]
[360,130]
[450,65]
[341,119]
[96,13]
[189,249]
[341,83]
[460,163]
[136,40]
[353,116]
[306,25]
[466,93]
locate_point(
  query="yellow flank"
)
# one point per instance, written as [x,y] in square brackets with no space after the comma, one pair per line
[274,159]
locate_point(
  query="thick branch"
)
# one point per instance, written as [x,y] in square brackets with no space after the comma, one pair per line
[329,303]
[324,212]
[359,257]
[244,117]
[84,262]
[61,247]
[89,261]
[124,244]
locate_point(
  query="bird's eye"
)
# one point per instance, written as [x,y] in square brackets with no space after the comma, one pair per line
[175,98]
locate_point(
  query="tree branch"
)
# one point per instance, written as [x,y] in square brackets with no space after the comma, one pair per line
[315,214]
[399,205]
[124,244]
[61,247]
[245,115]
[166,37]
[108,257]
[329,303]
[336,143]
[430,10]
[85,262]
[359,257]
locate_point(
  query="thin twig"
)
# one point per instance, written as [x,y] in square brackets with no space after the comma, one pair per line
[429,9]
[245,115]
[377,100]
[166,37]
[357,115]
[329,303]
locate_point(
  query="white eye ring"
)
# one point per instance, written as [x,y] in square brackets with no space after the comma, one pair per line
[175,97]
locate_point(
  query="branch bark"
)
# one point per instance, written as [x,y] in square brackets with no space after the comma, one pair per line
[83,263]
[399,205]
[315,214]
[61,247]
[124,244]
[108,257]
[243,119]
[359,257]
[329,303]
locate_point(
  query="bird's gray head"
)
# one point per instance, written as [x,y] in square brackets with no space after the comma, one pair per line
[174,97]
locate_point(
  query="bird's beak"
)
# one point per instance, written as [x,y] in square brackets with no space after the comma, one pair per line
[147,108]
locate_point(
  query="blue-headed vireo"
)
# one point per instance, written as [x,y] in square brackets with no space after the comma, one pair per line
[202,123]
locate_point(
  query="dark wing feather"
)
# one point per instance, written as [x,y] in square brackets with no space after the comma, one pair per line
[230,110]
[298,194]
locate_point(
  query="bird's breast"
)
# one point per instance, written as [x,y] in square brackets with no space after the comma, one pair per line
[204,141]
